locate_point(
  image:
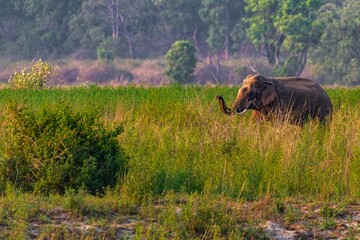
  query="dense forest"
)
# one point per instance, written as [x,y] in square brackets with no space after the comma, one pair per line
[289,34]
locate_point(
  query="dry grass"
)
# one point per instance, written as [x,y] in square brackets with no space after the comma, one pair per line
[122,72]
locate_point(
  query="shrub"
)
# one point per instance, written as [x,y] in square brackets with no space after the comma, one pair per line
[57,148]
[109,49]
[40,73]
[103,54]
[180,62]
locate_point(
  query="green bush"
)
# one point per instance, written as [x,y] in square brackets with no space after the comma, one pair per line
[56,148]
[40,73]
[180,62]
[103,54]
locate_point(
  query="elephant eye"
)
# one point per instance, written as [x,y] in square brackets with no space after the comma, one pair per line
[251,96]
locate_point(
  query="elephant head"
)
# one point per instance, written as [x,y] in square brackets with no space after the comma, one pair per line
[257,92]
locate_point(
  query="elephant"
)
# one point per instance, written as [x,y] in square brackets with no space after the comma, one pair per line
[290,99]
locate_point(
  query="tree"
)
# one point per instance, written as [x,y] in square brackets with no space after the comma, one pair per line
[180,62]
[14,28]
[284,31]
[126,23]
[8,21]
[35,28]
[134,16]
[221,18]
[51,27]
[180,19]
[337,57]
[88,29]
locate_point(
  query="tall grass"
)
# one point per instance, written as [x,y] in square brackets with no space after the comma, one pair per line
[182,142]
[179,141]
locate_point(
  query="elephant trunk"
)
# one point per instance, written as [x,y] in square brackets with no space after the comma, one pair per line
[223,106]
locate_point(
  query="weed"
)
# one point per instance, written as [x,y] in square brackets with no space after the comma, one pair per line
[279,207]
[292,215]
[327,212]
[74,202]
[253,233]
[328,223]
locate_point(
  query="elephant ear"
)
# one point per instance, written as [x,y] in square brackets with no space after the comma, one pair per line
[269,93]
[248,76]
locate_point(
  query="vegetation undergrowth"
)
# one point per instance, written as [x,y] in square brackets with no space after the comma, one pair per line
[36,78]
[196,165]
[56,148]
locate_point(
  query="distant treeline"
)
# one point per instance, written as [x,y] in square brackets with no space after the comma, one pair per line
[288,33]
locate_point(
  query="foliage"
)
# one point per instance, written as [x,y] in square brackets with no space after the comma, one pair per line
[181,18]
[33,29]
[87,28]
[287,33]
[336,59]
[180,62]
[56,148]
[284,31]
[103,54]
[127,23]
[221,18]
[40,73]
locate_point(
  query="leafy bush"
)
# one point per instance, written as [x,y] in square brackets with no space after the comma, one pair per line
[40,73]
[103,54]
[180,62]
[56,148]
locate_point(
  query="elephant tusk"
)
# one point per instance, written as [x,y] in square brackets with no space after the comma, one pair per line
[243,111]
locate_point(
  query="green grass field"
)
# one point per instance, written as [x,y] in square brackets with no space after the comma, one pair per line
[185,154]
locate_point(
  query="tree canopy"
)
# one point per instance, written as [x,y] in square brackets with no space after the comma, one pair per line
[288,33]
[284,31]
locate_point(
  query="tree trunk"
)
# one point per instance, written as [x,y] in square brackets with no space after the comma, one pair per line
[195,40]
[127,36]
[227,31]
[303,63]
[111,16]
[117,19]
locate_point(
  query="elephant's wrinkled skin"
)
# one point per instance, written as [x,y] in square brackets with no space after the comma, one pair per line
[290,99]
